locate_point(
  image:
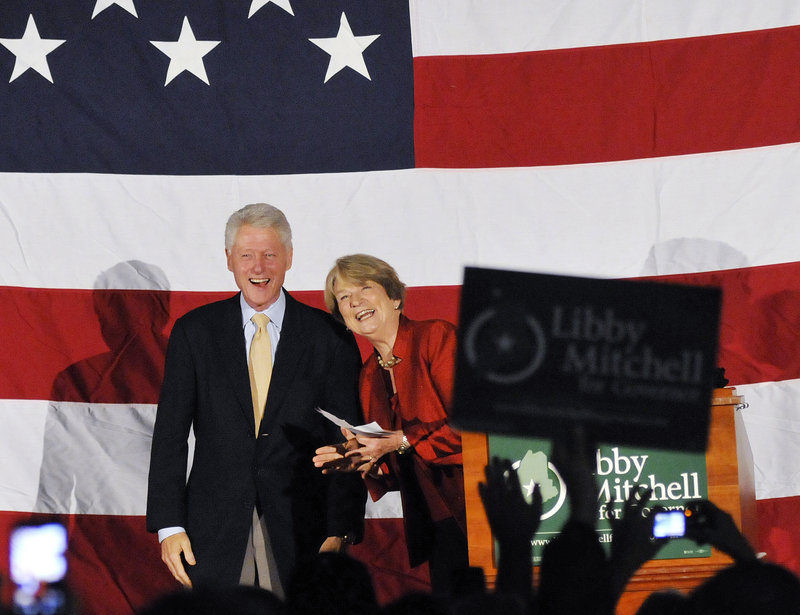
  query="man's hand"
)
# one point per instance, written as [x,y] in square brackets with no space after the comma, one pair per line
[171,549]
[332,544]
[334,457]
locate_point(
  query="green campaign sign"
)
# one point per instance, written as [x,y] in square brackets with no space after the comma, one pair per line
[675,478]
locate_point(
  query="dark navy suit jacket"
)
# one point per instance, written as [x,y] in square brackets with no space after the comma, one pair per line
[206,384]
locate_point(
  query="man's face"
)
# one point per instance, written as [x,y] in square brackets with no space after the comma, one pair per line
[259,262]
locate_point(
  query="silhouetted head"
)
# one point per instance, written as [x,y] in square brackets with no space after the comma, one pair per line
[748,588]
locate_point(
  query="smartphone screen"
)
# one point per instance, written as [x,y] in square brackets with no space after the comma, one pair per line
[37,566]
[669,524]
[37,554]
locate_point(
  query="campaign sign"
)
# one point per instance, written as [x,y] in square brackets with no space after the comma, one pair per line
[673,478]
[633,361]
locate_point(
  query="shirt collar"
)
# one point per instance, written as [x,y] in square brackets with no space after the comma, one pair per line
[275,312]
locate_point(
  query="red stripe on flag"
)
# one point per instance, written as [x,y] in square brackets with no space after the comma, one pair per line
[384,552]
[114,564]
[107,579]
[50,330]
[760,320]
[758,335]
[777,531]
[616,102]
[83,325]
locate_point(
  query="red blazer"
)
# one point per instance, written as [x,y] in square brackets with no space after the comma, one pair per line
[431,474]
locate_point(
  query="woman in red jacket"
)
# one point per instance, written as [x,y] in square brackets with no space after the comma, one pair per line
[406,386]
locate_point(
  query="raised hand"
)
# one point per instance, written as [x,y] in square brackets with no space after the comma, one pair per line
[511,517]
[632,542]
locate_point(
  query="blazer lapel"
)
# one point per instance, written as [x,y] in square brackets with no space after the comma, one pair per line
[230,341]
[290,350]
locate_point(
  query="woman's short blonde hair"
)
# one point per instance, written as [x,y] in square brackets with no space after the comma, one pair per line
[359,268]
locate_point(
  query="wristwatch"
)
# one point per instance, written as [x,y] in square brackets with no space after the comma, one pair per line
[404,447]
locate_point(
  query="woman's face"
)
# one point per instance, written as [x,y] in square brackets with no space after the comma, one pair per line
[367,309]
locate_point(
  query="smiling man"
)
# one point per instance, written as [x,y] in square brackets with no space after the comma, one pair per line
[253,506]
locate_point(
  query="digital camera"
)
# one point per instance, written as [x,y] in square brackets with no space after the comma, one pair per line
[676,523]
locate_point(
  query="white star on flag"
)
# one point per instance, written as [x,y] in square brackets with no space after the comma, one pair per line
[31,51]
[345,49]
[257,4]
[186,53]
[102,5]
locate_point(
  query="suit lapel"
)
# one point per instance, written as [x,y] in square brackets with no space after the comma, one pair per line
[230,341]
[290,350]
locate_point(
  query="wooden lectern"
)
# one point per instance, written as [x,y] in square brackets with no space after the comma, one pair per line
[729,466]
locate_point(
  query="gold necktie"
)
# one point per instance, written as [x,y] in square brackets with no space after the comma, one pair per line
[260,366]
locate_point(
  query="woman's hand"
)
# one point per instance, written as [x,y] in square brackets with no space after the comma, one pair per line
[358,454]
[372,449]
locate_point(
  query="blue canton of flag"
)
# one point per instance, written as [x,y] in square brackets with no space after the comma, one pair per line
[205,86]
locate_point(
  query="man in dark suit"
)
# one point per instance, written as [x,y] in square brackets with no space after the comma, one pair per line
[254,505]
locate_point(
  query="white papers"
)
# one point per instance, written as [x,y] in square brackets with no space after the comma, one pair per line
[372,430]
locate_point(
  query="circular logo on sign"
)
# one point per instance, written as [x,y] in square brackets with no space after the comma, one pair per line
[504,346]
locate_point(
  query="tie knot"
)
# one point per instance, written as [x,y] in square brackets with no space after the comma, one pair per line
[260,320]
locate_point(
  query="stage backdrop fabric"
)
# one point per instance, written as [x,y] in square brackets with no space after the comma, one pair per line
[620,139]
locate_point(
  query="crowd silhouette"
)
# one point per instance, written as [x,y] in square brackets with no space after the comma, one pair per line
[576,575]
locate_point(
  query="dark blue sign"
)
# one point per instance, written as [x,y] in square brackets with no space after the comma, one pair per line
[634,361]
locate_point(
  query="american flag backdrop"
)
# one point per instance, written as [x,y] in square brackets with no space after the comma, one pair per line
[623,138]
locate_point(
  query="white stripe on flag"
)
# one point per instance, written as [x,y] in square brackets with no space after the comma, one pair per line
[88,450]
[75,458]
[388,507]
[444,27]
[21,440]
[772,422]
[78,458]
[595,219]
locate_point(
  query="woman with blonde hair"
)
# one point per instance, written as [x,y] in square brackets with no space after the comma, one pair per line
[406,386]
